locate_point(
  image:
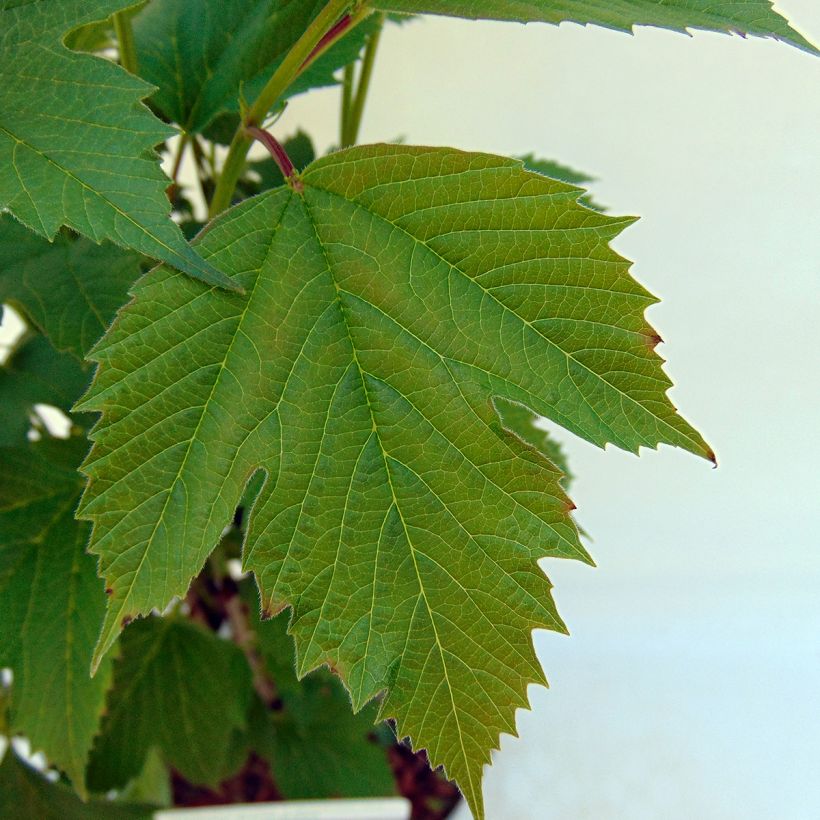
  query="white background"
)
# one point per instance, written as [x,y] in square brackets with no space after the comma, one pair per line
[690,686]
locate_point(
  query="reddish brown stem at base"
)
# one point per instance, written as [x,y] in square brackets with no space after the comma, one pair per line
[332,35]
[280,156]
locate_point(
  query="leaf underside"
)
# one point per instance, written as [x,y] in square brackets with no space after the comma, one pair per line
[385,309]
[76,142]
[752,17]
[203,54]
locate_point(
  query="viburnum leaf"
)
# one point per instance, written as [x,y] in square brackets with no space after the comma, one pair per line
[35,373]
[313,742]
[227,48]
[26,793]
[755,17]
[76,142]
[179,689]
[52,605]
[388,304]
[70,289]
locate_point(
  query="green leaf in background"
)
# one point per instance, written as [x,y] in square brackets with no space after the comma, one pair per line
[555,170]
[177,688]
[52,606]
[386,307]
[316,746]
[520,421]
[26,795]
[70,156]
[756,17]
[70,289]
[202,54]
[35,373]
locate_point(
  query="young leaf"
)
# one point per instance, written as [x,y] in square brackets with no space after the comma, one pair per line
[315,745]
[756,17]
[387,305]
[227,48]
[70,289]
[25,793]
[52,606]
[177,688]
[35,373]
[76,141]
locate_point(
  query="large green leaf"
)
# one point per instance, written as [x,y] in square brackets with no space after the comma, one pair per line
[26,795]
[51,605]
[202,54]
[35,373]
[69,289]
[387,305]
[76,142]
[755,17]
[179,689]
[316,746]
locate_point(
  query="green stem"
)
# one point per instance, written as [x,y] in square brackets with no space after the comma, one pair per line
[183,142]
[355,121]
[276,86]
[125,38]
[347,101]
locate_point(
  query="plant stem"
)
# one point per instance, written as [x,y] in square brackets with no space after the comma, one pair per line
[347,101]
[295,61]
[355,119]
[183,142]
[125,39]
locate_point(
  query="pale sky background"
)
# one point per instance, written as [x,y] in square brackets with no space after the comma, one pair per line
[690,686]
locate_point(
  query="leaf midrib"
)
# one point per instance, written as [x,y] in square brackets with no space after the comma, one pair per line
[385,460]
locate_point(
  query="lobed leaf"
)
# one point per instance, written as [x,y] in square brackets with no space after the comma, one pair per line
[388,306]
[70,289]
[76,142]
[52,605]
[752,17]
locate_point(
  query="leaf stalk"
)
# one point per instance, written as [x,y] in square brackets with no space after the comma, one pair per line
[280,156]
[313,42]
